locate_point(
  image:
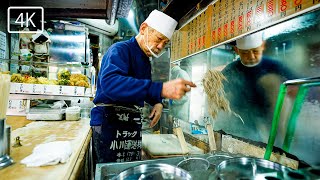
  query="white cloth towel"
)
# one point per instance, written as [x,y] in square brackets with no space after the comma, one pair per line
[49,154]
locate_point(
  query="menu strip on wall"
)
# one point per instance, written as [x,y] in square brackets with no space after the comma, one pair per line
[227,19]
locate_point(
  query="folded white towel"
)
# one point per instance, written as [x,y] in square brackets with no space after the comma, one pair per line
[49,154]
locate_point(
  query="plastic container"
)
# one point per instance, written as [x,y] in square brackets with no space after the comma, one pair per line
[73,113]
[45,114]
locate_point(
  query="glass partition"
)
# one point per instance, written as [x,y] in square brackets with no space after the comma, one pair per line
[293,47]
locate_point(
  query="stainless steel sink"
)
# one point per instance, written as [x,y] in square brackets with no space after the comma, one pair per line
[106,171]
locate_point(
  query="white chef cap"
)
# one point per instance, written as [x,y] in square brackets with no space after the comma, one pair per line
[251,41]
[161,23]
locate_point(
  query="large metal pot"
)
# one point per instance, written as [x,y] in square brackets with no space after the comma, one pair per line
[154,171]
[249,168]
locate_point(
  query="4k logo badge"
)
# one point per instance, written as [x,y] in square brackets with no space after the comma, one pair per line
[20,17]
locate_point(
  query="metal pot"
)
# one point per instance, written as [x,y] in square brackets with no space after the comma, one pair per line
[154,171]
[249,168]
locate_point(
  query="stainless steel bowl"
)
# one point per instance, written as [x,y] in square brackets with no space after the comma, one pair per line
[154,171]
[194,164]
[249,168]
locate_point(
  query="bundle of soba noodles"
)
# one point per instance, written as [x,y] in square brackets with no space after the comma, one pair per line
[213,86]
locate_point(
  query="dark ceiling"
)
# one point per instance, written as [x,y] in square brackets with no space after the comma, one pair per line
[107,9]
[95,9]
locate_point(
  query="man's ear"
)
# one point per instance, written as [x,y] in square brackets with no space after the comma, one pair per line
[143,28]
[263,45]
[236,49]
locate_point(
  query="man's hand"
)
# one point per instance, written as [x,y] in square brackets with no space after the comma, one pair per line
[176,89]
[156,114]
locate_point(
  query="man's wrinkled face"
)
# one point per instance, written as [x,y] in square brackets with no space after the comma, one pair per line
[154,40]
[250,57]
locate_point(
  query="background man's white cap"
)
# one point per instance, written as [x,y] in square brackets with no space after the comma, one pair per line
[251,41]
[161,23]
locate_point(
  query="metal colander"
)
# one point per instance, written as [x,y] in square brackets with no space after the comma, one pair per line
[194,164]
